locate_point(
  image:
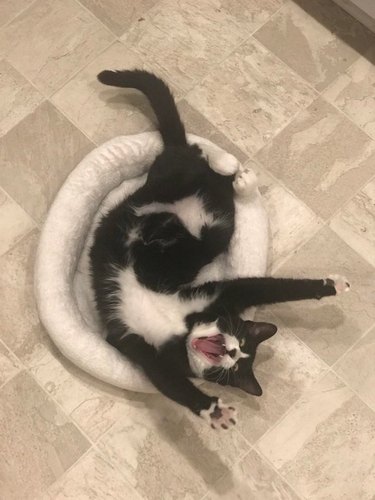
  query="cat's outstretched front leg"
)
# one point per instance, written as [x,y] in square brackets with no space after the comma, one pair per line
[171,382]
[239,294]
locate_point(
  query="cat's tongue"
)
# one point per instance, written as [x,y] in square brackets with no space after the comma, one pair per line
[213,347]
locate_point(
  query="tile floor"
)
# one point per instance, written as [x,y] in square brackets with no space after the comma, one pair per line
[289,87]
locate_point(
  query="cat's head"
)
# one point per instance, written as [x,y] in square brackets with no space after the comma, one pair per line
[224,350]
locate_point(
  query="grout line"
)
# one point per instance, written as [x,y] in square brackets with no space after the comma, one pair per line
[356,192]
[23,209]
[83,7]
[4,26]
[320,93]
[292,407]
[75,124]
[60,478]
[230,469]
[308,84]
[105,457]
[329,368]
[81,68]
[338,360]
[27,369]
[47,96]
[36,228]
[354,391]
[342,113]
[283,478]
[274,269]
[51,397]
[220,62]
[92,444]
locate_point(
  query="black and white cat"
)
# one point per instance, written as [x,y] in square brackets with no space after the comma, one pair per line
[148,250]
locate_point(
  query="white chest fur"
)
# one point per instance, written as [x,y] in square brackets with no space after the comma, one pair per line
[153,315]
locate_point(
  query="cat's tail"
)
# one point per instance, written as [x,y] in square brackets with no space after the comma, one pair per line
[161,99]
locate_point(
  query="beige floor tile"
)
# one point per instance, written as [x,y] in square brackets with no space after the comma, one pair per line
[332,325]
[321,156]
[325,446]
[18,97]
[357,367]
[119,15]
[14,223]
[103,112]
[353,92]
[187,38]
[204,32]
[18,317]
[37,155]
[251,96]
[9,365]
[197,124]
[168,56]
[212,27]
[291,222]
[93,477]
[285,368]
[10,9]
[37,442]
[355,223]
[317,39]
[166,452]
[252,479]
[92,404]
[51,40]
[95,406]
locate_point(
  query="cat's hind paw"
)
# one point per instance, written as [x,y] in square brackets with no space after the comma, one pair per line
[223,163]
[220,415]
[340,283]
[245,183]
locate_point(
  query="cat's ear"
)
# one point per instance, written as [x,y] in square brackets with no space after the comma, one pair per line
[248,383]
[260,331]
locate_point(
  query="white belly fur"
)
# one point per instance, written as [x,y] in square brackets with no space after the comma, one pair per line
[155,316]
[190,211]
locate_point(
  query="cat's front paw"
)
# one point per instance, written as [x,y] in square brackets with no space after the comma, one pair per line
[220,415]
[339,283]
[245,183]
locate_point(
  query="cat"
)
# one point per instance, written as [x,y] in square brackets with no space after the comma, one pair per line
[148,250]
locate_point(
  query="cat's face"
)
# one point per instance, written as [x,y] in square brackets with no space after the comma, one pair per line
[223,351]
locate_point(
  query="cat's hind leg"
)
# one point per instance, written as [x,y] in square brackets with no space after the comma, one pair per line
[245,183]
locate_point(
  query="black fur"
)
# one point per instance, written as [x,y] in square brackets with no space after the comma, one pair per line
[166,258]
[170,126]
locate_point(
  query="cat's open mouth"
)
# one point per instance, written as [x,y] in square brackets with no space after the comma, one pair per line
[212,347]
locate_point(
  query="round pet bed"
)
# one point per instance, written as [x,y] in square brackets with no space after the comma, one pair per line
[62,285]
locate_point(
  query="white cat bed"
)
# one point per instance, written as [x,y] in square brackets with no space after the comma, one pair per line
[64,297]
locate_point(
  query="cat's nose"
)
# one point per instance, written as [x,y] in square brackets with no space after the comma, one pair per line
[232,352]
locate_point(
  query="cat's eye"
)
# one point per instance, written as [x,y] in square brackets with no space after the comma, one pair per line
[242,342]
[235,368]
